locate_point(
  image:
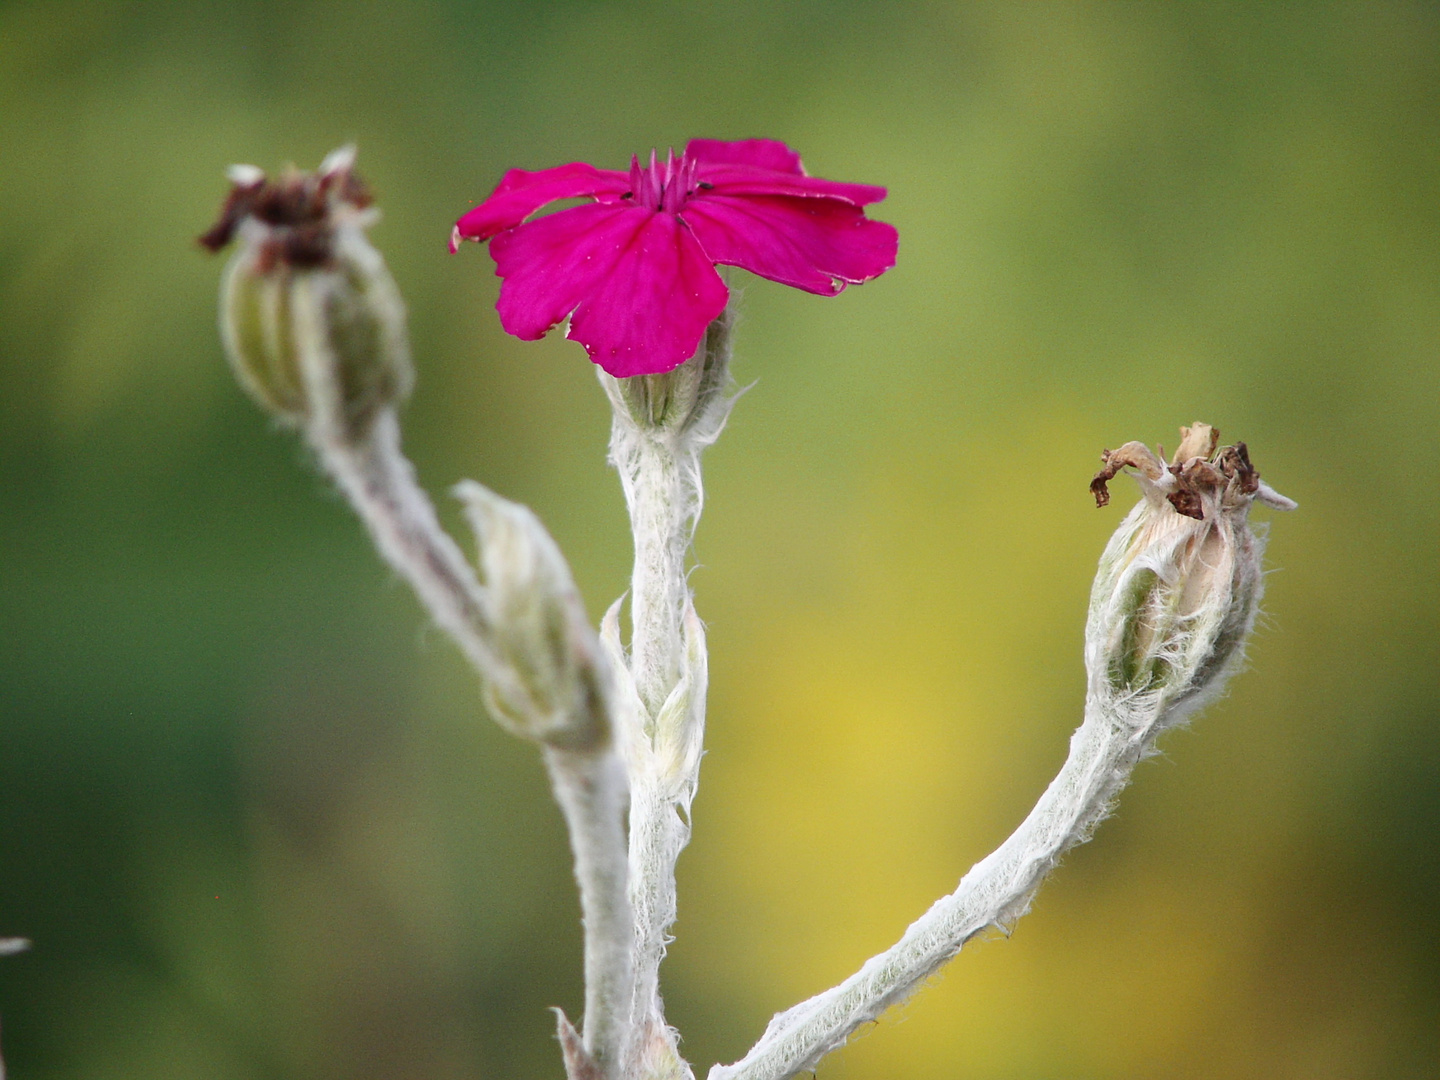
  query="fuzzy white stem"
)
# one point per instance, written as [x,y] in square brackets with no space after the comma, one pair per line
[996,891]
[662,425]
[589,781]
[657,836]
[9,947]
[379,482]
[1173,601]
[661,478]
[591,790]
[662,488]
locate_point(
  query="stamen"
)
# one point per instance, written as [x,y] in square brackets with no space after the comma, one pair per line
[662,186]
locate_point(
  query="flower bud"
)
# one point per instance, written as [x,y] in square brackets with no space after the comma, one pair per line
[551,688]
[689,398]
[311,320]
[1179,583]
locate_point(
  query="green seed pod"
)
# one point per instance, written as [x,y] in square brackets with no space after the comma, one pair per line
[312,322]
[258,332]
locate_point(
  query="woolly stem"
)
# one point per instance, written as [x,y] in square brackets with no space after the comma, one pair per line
[1174,598]
[996,891]
[662,424]
[589,782]
[662,489]
[657,836]
[591,789]
[379,482]
[661,477]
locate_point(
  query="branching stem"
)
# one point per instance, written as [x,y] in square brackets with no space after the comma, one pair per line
[589,784]
[591,790]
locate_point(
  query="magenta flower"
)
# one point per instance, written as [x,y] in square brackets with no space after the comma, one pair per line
[635,269]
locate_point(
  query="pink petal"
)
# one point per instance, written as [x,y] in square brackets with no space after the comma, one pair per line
[767,167]
[521,193]
[553,263]
[639,284]
[768,154]
[650,312]
[743,180]
[814,244]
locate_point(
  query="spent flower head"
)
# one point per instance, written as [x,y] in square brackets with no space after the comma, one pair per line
[1179,583]
[635,267]
[307,306]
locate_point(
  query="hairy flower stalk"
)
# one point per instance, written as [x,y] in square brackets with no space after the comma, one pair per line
[662,424]
[1173,601]
[314,328]
[634,270]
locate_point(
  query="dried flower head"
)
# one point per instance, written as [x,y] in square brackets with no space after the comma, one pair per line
[307,305]
[1179,583]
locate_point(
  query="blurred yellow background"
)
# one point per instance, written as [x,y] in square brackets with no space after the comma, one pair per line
[251,811]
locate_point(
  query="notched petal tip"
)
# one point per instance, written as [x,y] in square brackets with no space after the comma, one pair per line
[769,154]
[819,245]
[521,193]
[455,239]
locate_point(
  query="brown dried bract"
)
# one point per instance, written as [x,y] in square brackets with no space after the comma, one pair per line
[1097,485]
[1200,465]
[297,207]
[1197,440]
[1135,455]
[1234,462]
[233,211]
[1186,502]
[579,1065]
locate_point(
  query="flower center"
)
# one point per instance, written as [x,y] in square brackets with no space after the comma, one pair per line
[663,186]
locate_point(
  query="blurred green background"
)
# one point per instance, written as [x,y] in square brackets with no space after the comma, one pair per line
[251,811]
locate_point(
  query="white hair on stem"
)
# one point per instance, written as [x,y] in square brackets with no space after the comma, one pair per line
[662,425]
[1176,595]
